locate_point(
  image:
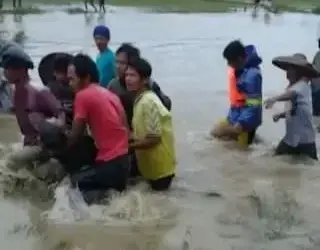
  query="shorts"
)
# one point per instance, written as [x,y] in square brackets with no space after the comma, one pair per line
[307,149]
[245,138]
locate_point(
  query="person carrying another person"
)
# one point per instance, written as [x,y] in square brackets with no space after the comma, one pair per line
[299,138]
[152,137]
[102,111]
[32,105]
[105,60]
[245,95]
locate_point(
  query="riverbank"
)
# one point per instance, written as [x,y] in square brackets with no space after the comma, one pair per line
[307,6]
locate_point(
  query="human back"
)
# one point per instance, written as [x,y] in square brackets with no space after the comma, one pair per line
[105,119]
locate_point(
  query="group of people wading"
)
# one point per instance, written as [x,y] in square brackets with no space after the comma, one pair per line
[246,106]
[107,120]
[120,124]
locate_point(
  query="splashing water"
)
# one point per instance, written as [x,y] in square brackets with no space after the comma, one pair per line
[142,217]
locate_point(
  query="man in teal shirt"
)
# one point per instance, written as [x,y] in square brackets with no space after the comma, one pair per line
[105,61]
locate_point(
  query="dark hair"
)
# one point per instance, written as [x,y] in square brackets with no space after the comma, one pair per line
[319,43]
[61,62]
[131,51]
[85,66]
[142,66]
[234,50]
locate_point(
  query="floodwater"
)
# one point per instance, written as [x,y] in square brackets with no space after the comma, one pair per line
[186,53]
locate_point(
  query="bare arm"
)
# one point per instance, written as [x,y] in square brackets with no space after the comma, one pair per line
[286,96]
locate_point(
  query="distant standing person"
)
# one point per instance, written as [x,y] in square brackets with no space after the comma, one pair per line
[105,61]
[102,6]
[299,138]
[14,3]
[91,2]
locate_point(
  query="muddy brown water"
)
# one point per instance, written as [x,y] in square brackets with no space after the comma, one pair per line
[186,53]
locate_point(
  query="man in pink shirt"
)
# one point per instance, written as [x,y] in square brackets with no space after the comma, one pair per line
[102,111]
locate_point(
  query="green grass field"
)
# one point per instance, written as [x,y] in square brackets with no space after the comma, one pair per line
[187,5]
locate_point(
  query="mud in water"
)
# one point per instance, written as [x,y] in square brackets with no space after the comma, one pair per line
[222,198]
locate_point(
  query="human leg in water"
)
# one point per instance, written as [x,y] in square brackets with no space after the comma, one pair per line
[91,2]
[306,149]
[102,6]
[103,176]
[161,184]
[244,138]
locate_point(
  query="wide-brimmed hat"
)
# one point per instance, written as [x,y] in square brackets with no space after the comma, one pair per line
[14,56]
[298,61]
[45,68]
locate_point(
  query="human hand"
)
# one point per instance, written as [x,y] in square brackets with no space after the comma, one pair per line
[55,121]
[276,117]
[269,103]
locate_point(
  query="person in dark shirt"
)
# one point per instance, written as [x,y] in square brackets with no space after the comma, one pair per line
[125,54]
[59,85]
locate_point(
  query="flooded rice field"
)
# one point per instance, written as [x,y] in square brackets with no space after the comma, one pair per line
[266,204]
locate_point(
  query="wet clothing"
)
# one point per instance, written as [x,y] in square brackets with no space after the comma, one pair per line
[106,175]
[303,149]
[79,162]
[315,86]
[300,135]
[127,98]
[247,111]
[299,126]
[64,93]
[245,138]
[106,64]
[150,117]
[32,105]
[161,184]
[73,159]
[105,116]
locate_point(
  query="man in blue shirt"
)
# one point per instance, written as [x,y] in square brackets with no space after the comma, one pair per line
[105,60]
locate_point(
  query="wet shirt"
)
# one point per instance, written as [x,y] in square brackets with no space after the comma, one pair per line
[32,105]
[127,98]
[315,86]
[62,91]
[299,127]
[151,117]
[106,64]
[103,112]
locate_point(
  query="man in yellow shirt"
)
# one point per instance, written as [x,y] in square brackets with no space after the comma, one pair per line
[152,138]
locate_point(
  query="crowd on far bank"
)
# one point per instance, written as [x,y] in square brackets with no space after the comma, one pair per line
[107,120]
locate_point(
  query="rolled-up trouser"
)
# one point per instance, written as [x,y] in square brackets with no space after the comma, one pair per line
[305,149]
